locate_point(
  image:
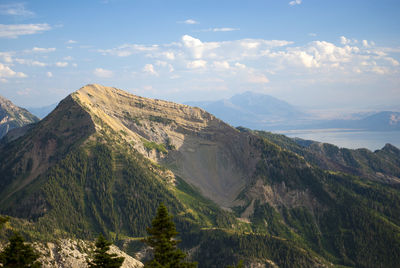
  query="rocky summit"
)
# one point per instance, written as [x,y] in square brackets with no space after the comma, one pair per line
[12,116]
[104,159]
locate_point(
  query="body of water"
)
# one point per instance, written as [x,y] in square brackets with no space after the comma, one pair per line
[352,139]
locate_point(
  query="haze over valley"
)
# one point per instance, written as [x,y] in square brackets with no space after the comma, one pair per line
[199,133]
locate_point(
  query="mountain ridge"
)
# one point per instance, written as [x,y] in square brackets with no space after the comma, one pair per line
[104,159]
[12,116]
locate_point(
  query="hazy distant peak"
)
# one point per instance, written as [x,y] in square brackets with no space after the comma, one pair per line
[12,116]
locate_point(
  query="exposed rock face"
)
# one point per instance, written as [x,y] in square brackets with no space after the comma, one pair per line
[67,253]
[12,116]
[195,145]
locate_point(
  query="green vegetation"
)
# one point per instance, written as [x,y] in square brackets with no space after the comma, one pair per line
[132,118]
[161,238]
[18,254]
[159,119]
[101,258]
[318,205]
[151,145]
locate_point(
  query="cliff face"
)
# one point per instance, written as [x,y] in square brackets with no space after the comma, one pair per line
[12,116]
[104,159]
[196,146]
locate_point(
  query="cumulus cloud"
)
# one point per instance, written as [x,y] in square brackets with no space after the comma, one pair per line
[149,69]
[30,62]
[103,73]
[196,64]
[15,30]
[15,9]
[295,2]
[222,65]
[61,64]
[7,72]
[259,57]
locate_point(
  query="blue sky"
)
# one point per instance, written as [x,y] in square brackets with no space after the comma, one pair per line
[320,54]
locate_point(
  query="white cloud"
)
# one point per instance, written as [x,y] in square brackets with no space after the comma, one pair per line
[149,68]
[49,74]
[71,42]
[128,50]
[43,49]
[30,62]
[189,21]
[222,65]
[196,47]
[169,55]
[62,64]
[392,61]
[196,64]
[103,73]
[295,2]
[165,64]
[240,65]
[224,29]
[194,44]
[15,30]
[365,43]
[257,79]
[344,40]
[7,56]
[7,72]
[17,9]
[254,58]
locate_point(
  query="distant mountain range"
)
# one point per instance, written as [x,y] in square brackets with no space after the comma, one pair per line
[42,112]
[264,112]
[103,160]
[12,116]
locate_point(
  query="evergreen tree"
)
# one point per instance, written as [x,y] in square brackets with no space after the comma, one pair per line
[18,254]
[102,258]
[239,265]
[161,239]
[3,221]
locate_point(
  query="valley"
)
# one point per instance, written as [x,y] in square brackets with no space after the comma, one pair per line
[103,160]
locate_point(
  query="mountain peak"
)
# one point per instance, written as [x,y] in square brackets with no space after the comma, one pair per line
[12,116]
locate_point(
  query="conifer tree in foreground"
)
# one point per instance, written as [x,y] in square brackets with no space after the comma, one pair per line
[161,239]
[18,254]
[102,258]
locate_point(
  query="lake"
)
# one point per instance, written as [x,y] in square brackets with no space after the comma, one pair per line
[352,139]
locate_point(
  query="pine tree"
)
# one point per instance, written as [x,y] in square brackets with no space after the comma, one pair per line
[161,239]
[18,254]
[102,258]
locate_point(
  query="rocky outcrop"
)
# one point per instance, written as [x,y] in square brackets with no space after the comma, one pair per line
[67,253]
[12,116]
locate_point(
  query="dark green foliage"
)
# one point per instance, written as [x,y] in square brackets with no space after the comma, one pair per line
[162,239]
[3,220]
[151,145]
[239,265]
[220,248]
[18,254]
[159,119]
[101,258]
